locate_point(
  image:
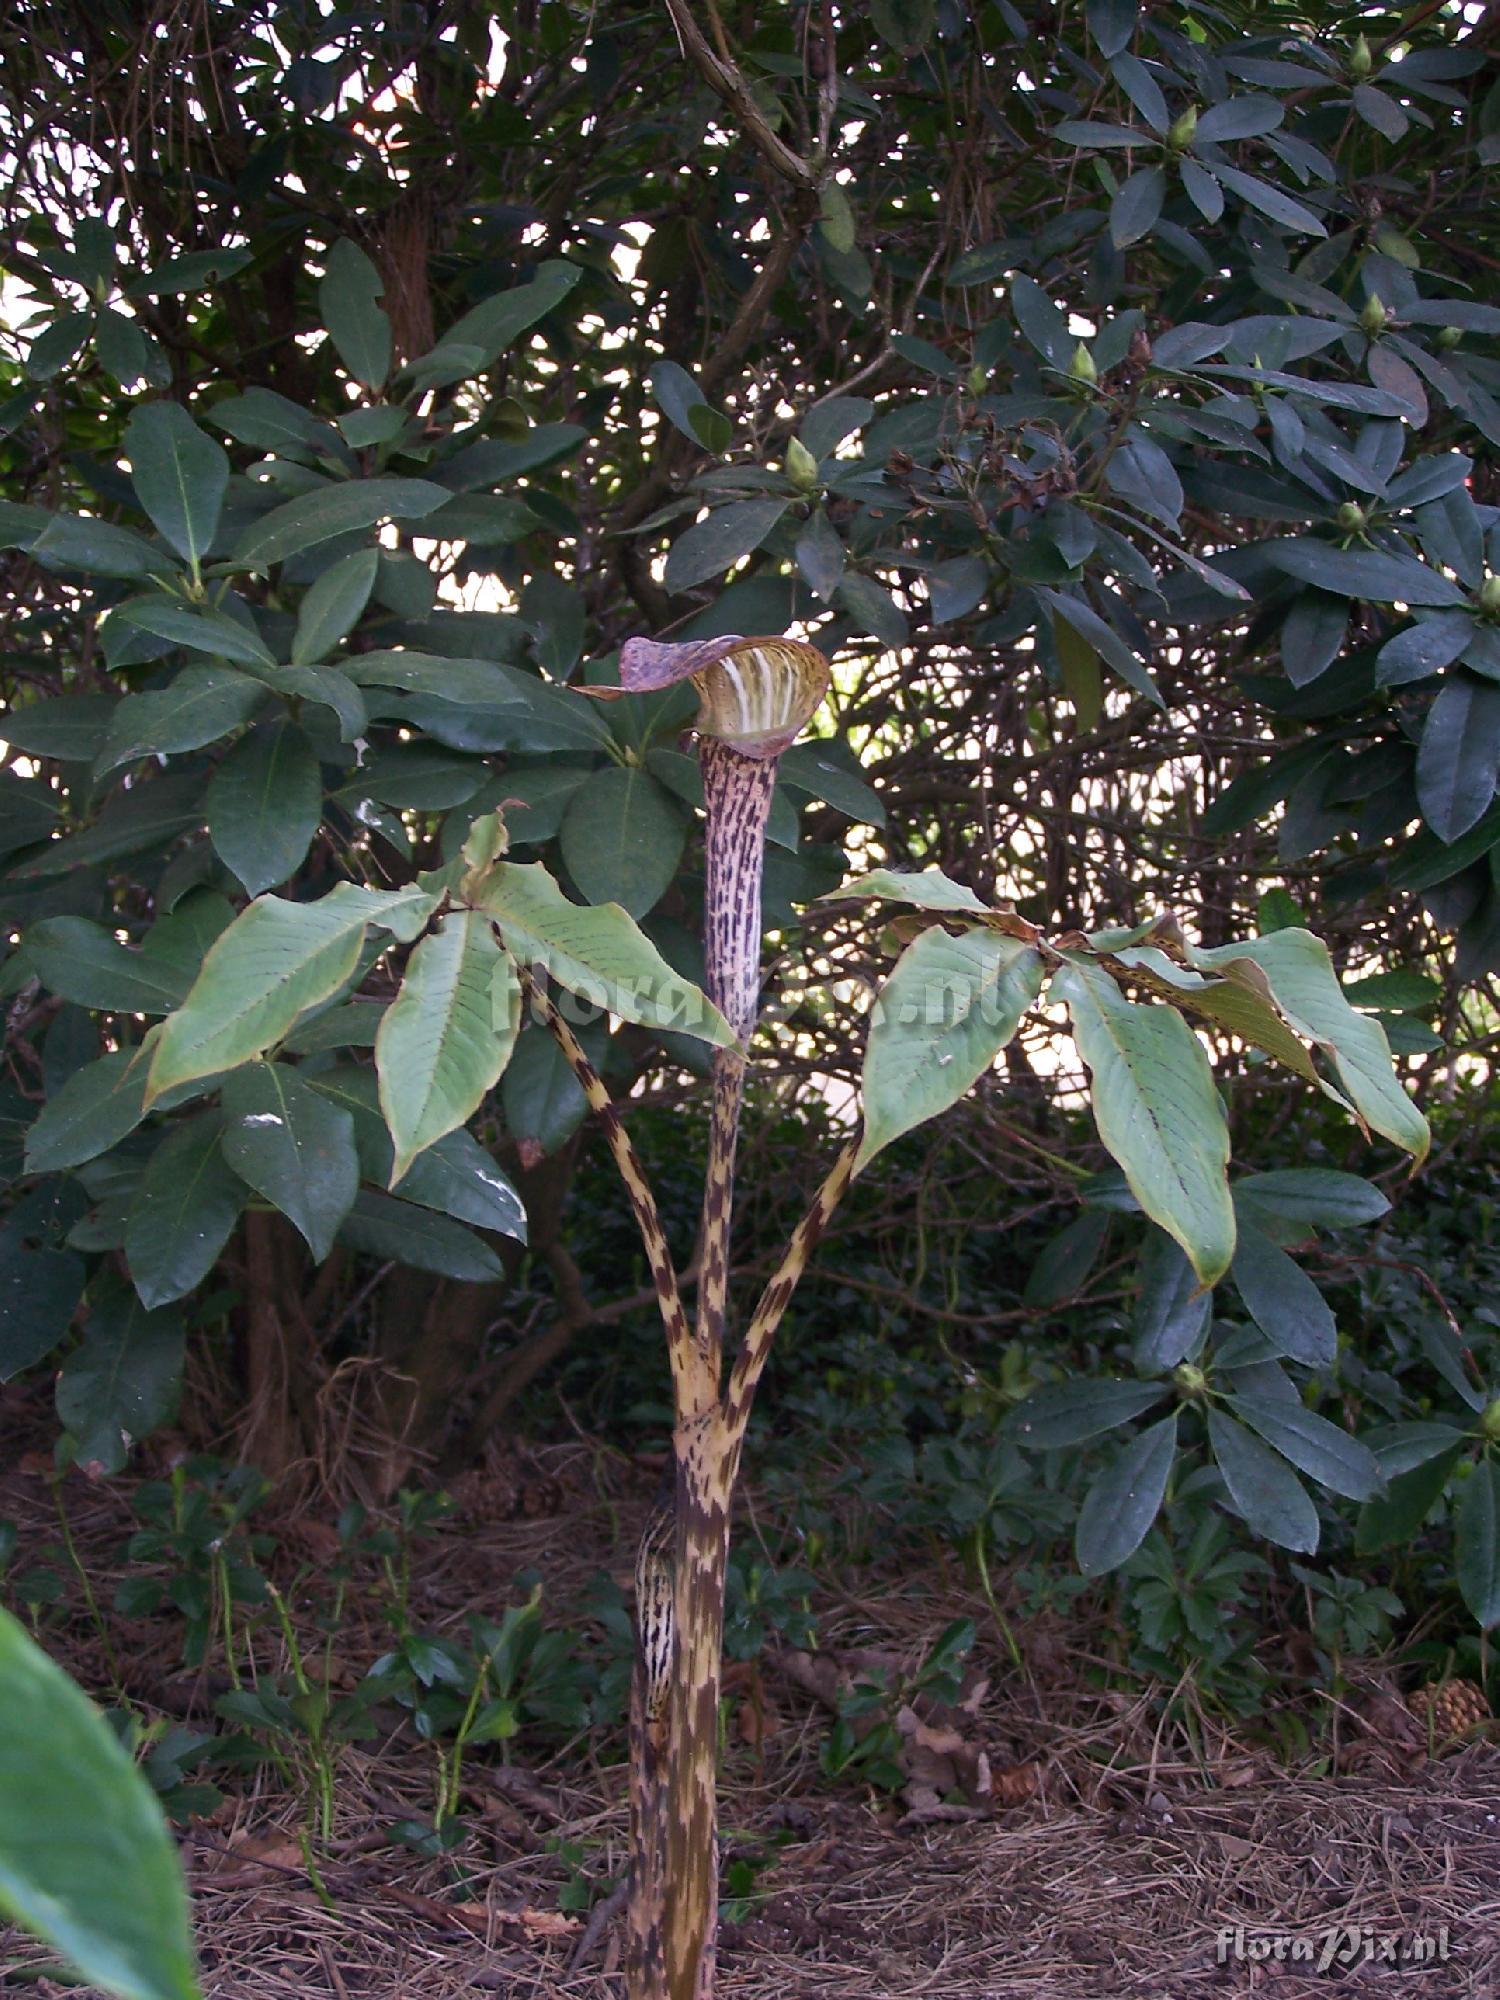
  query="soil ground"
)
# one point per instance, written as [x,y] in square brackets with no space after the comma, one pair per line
[1137,1861]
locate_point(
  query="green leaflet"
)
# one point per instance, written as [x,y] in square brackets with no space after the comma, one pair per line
[438,1051]
[276,960]
[599,953]
[930,890]
[1307,992]
[1157,1111]
[944,1014]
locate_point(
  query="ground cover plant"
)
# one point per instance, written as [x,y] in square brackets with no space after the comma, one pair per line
[1106,407]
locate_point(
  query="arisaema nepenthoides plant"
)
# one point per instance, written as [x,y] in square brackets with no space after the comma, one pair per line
[485,930]
[954,998]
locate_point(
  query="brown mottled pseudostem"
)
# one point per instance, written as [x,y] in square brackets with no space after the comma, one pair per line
[755,695]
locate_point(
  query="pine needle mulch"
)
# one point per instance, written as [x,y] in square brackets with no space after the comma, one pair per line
[1042,1903]
[1137,1860]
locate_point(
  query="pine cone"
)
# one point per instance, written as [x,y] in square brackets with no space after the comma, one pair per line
[486,1494]
[1455,1707]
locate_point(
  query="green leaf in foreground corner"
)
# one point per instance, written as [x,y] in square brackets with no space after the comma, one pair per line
[1263,1489]
[293,1147]
[1120,1506]
[1157,1111]
[439,1050]
[85,1859]
[597,952]
[948,1008]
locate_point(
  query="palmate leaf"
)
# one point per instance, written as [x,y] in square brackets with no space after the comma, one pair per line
[275,961]
[1307,993]
[441,1048]
[1157,1111]
[597,952]
[1237,1001]
[944,1014]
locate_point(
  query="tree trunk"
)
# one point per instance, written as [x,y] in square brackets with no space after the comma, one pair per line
[283,1369]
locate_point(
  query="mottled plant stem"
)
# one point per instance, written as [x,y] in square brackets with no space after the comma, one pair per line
[632,1173]
[737,794]
[770,1308]
[673,1903]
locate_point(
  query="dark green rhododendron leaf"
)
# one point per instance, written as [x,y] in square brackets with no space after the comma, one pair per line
[40,1287]
[1172,1312]
[1315,1446]
[347,297]
[1477,1544]
[1065,1413]
[188,1202]
[622,838]
[1458,762]
[293,1147]
[332,606]
[1263,1489]
[122,1382]
[97,1106]
[724,538]
[264,804]
[543,1101]
[334,510]
[1120,1506]
[384,1227]
[180,475]
[1282,1300]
